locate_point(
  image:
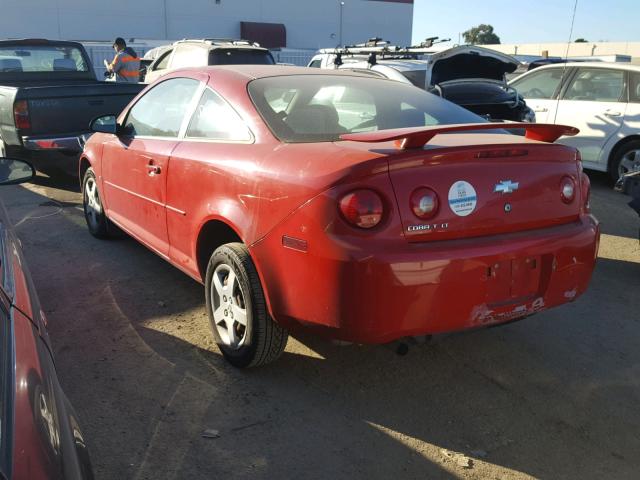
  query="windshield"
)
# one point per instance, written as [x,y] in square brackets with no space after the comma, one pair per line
[41,58]
[320,108]
[238,56]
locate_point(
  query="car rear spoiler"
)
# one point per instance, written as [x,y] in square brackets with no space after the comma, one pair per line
[418,137]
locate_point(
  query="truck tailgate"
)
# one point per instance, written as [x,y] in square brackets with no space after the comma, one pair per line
[68,109]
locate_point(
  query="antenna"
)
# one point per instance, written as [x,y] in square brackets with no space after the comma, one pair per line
[566,58]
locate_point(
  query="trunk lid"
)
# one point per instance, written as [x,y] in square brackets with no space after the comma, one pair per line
[470,62]
[485,187]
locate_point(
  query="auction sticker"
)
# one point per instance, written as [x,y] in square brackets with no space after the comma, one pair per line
[462,198]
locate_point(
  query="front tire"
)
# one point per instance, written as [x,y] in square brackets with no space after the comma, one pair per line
[242,328]
[94,215]
[626,159]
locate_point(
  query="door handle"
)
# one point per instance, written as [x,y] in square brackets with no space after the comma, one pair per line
[153,170]
[612,113]
[540,109]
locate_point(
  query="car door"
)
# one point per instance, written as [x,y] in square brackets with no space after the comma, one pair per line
[540,89]
[595,102]
[216,135]
[135,163]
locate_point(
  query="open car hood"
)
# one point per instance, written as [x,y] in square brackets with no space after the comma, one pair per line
[469,61]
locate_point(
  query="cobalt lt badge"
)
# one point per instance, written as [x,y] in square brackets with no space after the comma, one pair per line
[506,186]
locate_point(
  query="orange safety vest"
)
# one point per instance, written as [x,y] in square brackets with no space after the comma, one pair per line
[126,67]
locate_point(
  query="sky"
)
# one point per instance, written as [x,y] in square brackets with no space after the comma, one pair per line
[529,21]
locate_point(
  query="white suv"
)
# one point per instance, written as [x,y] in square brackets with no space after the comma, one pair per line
[200,53]
[601,99]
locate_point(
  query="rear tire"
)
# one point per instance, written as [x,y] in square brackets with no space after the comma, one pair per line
[242,328]
[626,159]
[94,215]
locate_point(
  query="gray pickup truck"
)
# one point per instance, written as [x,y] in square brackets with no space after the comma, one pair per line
[48,96]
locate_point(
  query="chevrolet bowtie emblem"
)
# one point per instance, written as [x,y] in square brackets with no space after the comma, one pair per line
[506,186]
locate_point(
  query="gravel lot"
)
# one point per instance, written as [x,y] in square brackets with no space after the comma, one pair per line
[555,396]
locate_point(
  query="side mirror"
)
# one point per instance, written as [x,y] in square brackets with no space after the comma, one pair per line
[13,171]
[104,124]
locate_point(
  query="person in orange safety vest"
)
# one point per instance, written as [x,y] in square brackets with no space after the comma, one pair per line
[126,64]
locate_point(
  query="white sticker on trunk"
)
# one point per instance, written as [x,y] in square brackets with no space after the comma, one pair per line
[462,198]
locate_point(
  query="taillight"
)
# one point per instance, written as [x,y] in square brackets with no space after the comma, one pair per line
[362,208]
[586,192]
[567,189]
[21,115]
[424,203]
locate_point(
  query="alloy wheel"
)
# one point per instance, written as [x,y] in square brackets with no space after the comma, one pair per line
[92,204]
[229,307]
[630,162]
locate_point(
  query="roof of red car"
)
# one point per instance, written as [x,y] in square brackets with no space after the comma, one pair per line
[251,72]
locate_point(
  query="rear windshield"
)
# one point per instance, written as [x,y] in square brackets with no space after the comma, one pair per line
[41,58]
[238,56]
[320,108]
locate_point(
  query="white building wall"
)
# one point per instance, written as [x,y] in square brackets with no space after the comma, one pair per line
[310,23]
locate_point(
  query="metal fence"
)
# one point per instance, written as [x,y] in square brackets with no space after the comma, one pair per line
[297,57]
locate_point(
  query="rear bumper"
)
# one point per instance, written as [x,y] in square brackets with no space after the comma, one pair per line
[369,294]
[69,144]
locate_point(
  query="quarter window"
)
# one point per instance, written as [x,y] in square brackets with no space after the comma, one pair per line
[161,111]
[539,85]
[596,85]
[214,119]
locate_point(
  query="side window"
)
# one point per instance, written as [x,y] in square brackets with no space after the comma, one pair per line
[596,85]
[214,119]
[161,111]
[634,87]
[163,61]
[189,56]
[315,64]
[539,85]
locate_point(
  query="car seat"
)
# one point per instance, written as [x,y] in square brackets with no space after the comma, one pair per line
[582,89]
[64,64]
[10,65]
[314,119]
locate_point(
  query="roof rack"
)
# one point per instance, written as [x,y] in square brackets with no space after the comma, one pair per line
[375,48]
[383,48]
[213,41]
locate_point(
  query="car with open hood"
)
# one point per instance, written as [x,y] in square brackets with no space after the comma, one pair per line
[362,209]
[470,76]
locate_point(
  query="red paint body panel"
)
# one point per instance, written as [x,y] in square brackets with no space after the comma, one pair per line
[390,281]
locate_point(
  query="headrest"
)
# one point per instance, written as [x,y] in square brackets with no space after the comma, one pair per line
[10,65]
[314,119]
[64,64]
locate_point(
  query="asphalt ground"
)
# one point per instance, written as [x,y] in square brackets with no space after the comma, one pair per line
[554,396]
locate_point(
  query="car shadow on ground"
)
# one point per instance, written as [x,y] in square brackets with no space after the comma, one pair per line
[554,396]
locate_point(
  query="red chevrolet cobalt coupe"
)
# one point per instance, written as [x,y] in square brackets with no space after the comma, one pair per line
[364,209]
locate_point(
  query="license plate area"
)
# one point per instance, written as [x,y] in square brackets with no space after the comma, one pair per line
[515,279]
